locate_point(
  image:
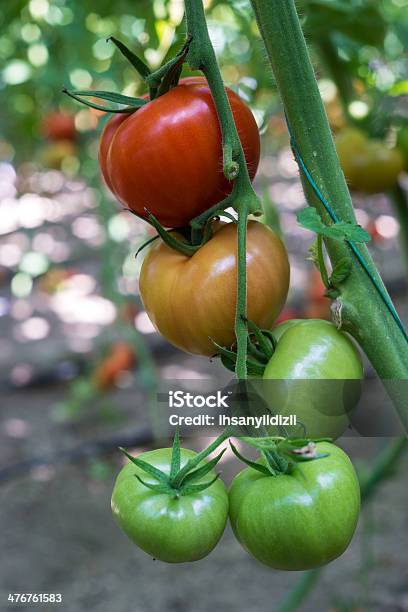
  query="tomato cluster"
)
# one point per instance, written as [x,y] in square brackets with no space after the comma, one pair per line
[166,159]
[368,165]
[296,520]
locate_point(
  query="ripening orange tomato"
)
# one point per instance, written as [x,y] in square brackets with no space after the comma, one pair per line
[192,300]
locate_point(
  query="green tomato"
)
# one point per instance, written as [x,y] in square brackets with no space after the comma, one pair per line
[368,164]
[310,356]
[175,530]
[300,520]
[280,329]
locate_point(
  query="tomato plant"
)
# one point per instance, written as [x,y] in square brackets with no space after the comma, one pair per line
[368,165]
[167,156]
[59,126]
[172,517]
[307,354]
[301,519]
[191,300]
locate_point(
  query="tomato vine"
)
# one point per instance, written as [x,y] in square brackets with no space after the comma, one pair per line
[201,56]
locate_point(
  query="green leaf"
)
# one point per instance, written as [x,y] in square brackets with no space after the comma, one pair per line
[333,293]
[229,359]
[174,243]
[254,368]
[111,96]
[262,339]
[142,69]
[221,350]
[252,464]
[146,467]
[310,219]
[173,71]
[276,461]
[341,271]
[175,455]
[228,363]
[158,488]
[195,461]
[145,244]
[198,487]
[202,471]
[263,443]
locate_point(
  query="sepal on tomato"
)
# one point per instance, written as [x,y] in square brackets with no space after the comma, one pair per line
[281,454]
[180,481]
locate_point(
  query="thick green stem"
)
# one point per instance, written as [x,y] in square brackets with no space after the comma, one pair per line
[360,309]
[240,315]
[400,205]
[383,466]
[201,56]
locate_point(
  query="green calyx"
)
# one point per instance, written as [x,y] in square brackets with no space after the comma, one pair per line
[181,480]
[261,345]
[280,455]
[195,235]
[159,82]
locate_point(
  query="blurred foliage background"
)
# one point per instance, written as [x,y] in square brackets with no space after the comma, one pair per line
[80,360]
[46,45]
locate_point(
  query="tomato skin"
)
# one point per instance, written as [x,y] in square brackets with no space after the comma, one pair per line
[368,165]
[308,353]
[313,349]
[192,299]
[59,126]
[172,530]
[167,156]
[300,520]
[108,133]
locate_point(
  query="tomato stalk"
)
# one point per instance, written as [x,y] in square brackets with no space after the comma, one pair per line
[201,56]
[359,309]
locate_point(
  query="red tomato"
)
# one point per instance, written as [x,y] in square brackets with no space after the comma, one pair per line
[59,126]
[105,141]
[167,156]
